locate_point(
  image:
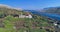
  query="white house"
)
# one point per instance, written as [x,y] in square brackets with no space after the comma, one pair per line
[29,16]
[55,24]
[21,16]
[25,16]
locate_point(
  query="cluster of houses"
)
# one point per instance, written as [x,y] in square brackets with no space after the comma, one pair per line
[57,26]
[56,23]
[27,15]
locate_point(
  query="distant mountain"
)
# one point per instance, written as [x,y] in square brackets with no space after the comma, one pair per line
[51,10]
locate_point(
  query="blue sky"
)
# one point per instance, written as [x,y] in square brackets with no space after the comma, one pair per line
[31,4]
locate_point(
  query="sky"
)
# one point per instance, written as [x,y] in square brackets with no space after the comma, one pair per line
[31,4]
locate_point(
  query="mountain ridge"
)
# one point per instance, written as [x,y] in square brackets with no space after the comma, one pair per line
[55,10]
[8,7]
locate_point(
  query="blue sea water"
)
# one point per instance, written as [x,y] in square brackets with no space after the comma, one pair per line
[50,15]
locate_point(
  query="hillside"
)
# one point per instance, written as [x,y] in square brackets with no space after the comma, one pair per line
[10,22]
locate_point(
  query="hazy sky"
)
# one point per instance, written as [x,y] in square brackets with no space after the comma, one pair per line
[31,4]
